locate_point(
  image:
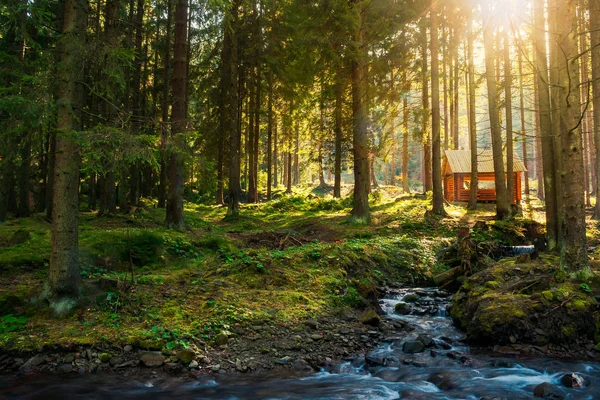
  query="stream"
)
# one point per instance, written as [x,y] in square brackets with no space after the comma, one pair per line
[447,369]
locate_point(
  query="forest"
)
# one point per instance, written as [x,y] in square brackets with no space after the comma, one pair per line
[283,188]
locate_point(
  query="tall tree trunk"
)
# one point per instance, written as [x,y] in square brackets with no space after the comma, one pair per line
[510,179]
[297,151]
[360,211]
[427,176]
[445,71]
[164,133]
[556,164]
[405,133]
[51,168]
[392,180]
[137,120]
[250,142]
[472,120]
[438,193]
[455,82]
[502,208]
[539,165]
[523,131]
[230,120]
[289,160]
[584,96]
[270,136]
[574,256]
[174,217]
[275,154]
[64,277]
[24,172]
[594,6]
[337,186]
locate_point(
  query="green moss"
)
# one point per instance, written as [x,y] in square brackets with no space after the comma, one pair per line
[569,330]
[492,285]
[547,295]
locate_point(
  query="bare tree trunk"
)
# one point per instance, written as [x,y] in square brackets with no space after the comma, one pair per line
[584,96]
[594,6]
[275,154]
[405,116]
[510,178]
[502,208]
[438,193]
[297,151]
[360,211]
[556,164]
[231,119]
[523,131]
[162,185]
[472,120]
[174,217]
[337,187]
[455,81]
[539,165]
[574,256]
[64,278]
[445,71]
[427,177]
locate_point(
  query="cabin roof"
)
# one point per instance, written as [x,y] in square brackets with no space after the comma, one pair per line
[459,162]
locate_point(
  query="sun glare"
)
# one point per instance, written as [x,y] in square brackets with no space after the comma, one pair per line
[506,12]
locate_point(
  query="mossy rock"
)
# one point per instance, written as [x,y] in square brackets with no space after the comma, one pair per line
[370,317]
[511,301]
[221,339]
[186,355]
[105,357]
[402,308]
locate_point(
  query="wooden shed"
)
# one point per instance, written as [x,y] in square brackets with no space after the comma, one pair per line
[456,171]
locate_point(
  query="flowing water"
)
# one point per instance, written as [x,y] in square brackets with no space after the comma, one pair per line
[447,370]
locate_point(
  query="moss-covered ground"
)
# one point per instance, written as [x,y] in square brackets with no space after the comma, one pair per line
[285,261]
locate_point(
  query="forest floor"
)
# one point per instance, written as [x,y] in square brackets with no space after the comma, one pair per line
[292,282]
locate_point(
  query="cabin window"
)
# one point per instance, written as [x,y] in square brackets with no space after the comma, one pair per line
[490,185]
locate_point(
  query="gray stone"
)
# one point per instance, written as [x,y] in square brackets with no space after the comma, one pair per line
[311,323]
[221,339]
[66,368]
[69,358]
[115,361]
[186,355]
[128,348]
[414,346]
[32,363]
[548,391]
[152,359]
[402,308]
[215,368]
[284,361]
[193,365]
[426,339]
[411,298]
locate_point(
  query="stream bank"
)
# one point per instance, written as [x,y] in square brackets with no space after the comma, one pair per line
[425,358]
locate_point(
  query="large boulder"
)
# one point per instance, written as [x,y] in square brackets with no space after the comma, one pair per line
[413,346]
[526,303]
[548,391]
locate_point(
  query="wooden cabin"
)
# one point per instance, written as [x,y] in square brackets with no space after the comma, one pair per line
[456,171]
